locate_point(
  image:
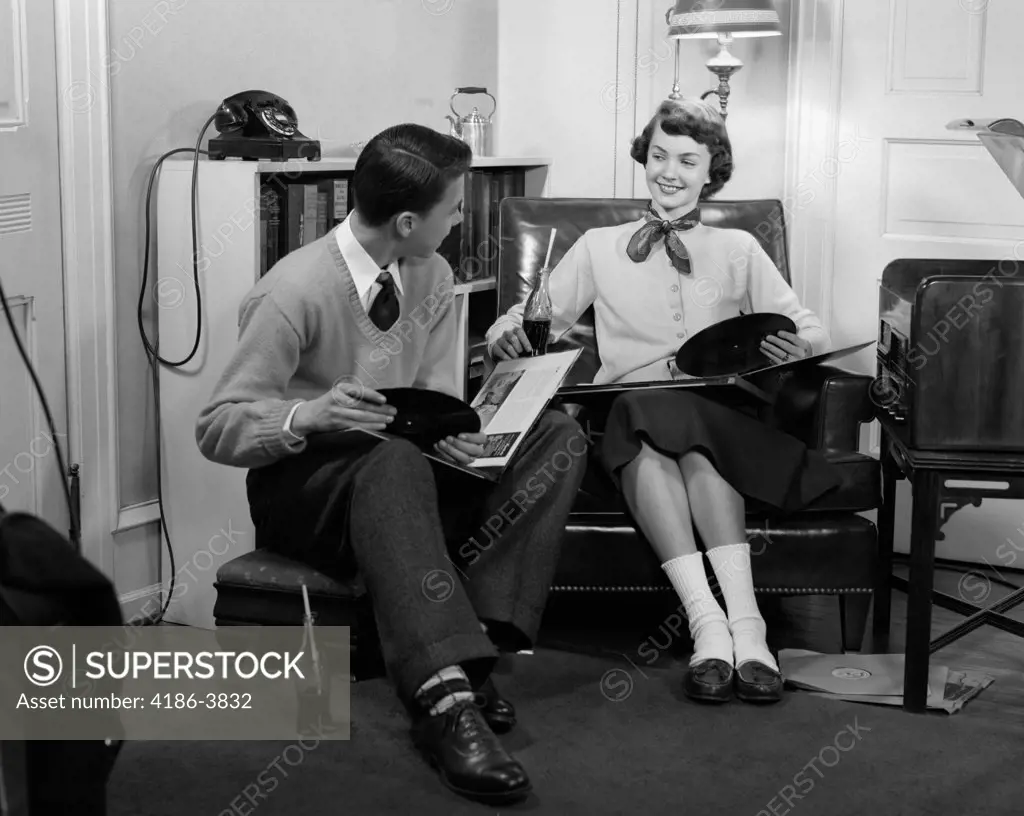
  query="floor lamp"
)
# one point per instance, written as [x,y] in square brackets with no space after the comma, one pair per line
[724,19]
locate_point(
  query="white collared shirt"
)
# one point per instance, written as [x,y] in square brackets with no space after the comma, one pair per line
[362,267]
[364,273]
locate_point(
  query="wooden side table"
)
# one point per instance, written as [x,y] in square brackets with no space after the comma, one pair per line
[942,483]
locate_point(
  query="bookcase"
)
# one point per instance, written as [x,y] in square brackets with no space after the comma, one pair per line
[249,214]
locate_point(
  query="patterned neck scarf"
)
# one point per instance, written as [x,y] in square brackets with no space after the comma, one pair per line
[656,228]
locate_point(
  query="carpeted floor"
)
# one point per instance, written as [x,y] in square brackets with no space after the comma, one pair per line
[599,737]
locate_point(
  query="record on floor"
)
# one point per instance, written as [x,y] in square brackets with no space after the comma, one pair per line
[732,346]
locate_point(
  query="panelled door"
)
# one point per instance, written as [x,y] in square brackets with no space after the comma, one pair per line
[31,263]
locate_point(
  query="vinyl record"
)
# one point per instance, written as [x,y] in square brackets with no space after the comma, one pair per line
[732,346]
[425,416]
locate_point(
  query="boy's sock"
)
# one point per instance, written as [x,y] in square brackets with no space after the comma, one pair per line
[708,625]
[447,675]
[731,564]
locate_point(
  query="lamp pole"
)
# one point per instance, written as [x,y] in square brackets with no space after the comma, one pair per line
[676,94]
[723,65]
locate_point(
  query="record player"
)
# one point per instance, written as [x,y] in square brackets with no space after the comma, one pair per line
[951,334]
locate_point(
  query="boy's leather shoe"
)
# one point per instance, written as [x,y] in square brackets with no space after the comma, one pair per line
[709,681]
[499,712]
[469,758]
[758,683]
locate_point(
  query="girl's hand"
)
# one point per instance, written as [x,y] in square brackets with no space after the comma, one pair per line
[785,347]
[464,448]
[513,343]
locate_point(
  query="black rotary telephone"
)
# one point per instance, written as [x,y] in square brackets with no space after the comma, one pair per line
[260,125]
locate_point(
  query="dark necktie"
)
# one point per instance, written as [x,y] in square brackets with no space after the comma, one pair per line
[384,309]
[656,228]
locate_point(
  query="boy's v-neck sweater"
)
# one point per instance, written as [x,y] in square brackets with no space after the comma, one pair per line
[303,331]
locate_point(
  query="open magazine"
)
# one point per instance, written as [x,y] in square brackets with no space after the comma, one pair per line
[510,402]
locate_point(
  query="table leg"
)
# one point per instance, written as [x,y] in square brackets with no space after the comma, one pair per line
[924,528]
[880,619]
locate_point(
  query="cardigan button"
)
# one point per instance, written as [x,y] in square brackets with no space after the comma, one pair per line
[675,287]
[677,317]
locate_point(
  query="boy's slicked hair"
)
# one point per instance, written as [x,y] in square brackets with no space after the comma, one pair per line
[703,124]
[406,168]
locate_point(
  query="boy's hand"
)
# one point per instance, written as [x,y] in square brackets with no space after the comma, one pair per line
[344,406]
[785,347]
[512,344]
[462,449]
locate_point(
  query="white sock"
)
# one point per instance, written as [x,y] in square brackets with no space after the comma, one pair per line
[731,564]
[708,625]
[446,675]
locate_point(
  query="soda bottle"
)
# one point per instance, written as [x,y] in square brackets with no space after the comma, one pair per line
[537,314]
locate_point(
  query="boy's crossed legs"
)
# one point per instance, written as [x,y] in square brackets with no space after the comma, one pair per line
[377,509]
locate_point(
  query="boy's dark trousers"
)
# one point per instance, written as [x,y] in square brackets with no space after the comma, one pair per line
[439,551]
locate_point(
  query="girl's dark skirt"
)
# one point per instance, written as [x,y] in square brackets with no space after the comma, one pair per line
[775,470]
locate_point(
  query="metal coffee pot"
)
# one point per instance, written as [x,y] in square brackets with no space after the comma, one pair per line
[473,128]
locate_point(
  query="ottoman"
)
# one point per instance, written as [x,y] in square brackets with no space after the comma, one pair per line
[264,588]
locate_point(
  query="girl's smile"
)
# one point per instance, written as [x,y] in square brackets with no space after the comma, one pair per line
[677,170]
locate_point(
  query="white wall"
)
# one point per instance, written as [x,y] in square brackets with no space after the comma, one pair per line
[578,80]
[554,60]
[348,67]
[757,106]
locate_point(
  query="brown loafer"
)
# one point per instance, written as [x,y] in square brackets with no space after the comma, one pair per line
[709,681]
[758,683]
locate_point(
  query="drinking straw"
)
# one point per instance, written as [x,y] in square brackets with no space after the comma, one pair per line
[551,245]
[309,628]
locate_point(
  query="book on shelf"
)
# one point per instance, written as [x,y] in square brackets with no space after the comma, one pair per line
[270,227]
[297,212]
[471,248]
[304,209]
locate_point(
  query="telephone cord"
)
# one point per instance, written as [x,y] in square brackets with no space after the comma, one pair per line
[152,353]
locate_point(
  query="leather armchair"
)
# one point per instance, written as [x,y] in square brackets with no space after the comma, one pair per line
[828,549]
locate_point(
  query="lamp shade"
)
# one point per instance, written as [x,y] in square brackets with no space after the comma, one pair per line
[709,18]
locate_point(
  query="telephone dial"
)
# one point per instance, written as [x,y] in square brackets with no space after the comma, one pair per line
[259,125]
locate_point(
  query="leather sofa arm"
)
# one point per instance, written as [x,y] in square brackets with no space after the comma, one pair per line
[846,406]
[823,406]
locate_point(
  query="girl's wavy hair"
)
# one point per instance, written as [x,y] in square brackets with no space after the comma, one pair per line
[700,122]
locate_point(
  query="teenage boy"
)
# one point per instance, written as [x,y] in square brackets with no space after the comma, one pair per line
[368,307]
